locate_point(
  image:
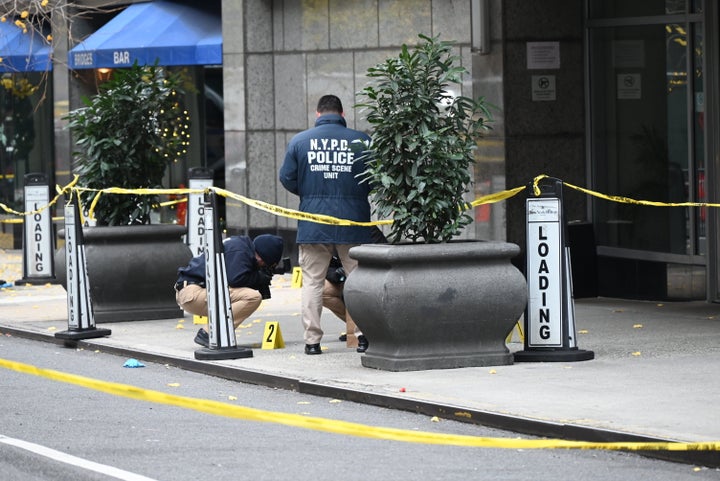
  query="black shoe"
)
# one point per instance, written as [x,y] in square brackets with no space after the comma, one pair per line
[343,337]
[362,344]
[202,338]
[313,349]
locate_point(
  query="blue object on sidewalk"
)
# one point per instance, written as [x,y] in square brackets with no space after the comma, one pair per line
[133,363]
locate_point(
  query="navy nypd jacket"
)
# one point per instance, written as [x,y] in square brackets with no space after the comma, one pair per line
[240,263]
[321,169]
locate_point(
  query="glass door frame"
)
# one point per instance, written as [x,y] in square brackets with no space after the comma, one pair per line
[710,22]
[712,144]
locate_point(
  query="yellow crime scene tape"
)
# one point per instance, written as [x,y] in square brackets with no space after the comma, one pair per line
[218,408]
[319,218]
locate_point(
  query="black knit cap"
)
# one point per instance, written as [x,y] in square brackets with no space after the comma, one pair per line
[269,248]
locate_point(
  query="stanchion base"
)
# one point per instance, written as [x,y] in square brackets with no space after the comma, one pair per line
[37,281]
[80,334]
[559,355]
[223,353]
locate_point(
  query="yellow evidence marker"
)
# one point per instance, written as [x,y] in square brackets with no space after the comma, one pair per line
[272,337]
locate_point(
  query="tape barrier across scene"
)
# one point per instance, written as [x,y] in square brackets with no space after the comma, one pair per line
[217,408]
[326,219]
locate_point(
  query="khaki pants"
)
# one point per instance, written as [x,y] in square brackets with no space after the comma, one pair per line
[314,260]
[243,301]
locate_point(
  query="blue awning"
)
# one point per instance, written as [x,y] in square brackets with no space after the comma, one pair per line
[23,52]
[164,32]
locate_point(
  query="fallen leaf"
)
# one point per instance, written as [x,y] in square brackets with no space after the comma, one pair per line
[179,326]
[492,371]
[435,419]
[636,353]
[52,328]
[583,331]
[303,402]
[232,398]
[174,384]
[335,401]
[637,326]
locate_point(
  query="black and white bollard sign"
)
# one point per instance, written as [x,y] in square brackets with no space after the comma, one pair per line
[38,236]
[198,178]
[81,321]
[221,329]
[550,333]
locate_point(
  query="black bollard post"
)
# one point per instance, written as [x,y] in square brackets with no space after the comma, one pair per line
[38,236]
[550,333]
[221,329]
[81,320]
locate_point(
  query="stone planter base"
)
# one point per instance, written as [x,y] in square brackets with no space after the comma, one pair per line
[132,270]
[436,306]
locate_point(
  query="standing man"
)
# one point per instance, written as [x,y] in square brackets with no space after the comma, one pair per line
[249,265]
[320,168]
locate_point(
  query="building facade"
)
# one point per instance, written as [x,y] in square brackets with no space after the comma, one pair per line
[620,98]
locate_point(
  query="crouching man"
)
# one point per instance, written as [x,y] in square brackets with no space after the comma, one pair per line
[249,265]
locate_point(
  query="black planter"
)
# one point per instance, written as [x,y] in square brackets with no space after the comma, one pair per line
[131,270]
[436,306]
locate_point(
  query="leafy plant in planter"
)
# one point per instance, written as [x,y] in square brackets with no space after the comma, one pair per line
[422,301]
[423,142]
[126,136]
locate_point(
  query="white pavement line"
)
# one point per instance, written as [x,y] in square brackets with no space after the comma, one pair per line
[73,460]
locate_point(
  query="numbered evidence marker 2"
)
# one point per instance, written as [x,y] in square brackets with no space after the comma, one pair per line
[550,314]
[81,321]
[272,337]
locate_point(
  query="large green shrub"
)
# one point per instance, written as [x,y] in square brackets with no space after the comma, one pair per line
[423,139]
[126,136]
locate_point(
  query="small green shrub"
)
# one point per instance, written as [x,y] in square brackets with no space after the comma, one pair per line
[418,164]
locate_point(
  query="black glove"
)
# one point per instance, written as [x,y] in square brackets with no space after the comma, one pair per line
[264,276]
[336,272]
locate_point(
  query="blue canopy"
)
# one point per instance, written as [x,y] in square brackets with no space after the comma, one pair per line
[23,52]
[164,32]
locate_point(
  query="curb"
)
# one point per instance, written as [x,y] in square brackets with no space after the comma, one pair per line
[515,424]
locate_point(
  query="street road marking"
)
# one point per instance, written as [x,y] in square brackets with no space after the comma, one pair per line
[342,427]
[73,460]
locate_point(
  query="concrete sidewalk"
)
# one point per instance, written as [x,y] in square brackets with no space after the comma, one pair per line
[654,376]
